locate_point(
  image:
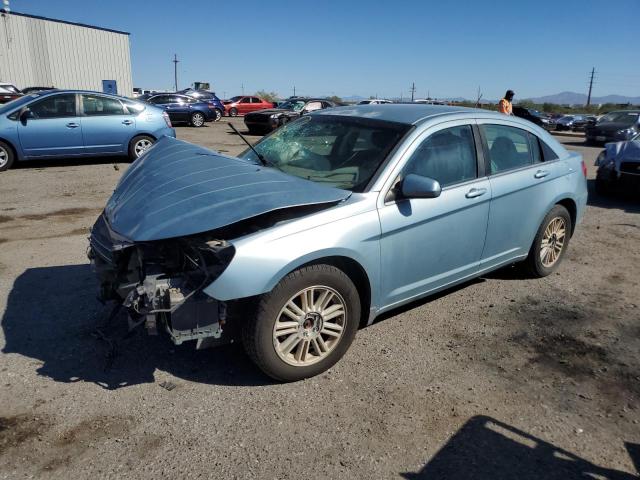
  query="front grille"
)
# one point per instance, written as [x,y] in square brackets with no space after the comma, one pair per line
[630,167]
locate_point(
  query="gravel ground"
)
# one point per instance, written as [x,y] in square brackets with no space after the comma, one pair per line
[503,377]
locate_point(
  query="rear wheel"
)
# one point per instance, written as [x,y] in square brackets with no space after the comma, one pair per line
[6,157]
[305,324]
[551,242]
[197,119]
[218,116]
[233,112]
[139,145]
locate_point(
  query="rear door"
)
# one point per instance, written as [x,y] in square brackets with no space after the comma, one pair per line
[523,183]
[170,104]
[244,106]
[107,126]
[54,127]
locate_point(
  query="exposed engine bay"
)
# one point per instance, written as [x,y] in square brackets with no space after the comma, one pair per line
[160,283]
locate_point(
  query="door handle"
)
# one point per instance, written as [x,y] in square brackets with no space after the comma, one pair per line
[476,192]
[127,122]
[541,174]
[73,125]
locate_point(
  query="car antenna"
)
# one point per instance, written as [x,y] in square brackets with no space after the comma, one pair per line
[260,157]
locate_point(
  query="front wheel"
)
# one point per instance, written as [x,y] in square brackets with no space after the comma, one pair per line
[305,324]
[197,119]
[233,112]
[6,157]
[551,243]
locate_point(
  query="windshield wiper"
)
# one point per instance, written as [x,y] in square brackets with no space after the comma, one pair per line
[261,157]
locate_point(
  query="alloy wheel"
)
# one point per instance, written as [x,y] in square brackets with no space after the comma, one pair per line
[4,157]
[309,326]
[552,241]
[197,120]
[142,145]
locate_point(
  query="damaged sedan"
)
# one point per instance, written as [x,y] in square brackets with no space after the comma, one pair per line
[328,222]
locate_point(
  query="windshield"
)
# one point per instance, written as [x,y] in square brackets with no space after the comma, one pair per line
[295,105]
[236,99]
[626,118]
[18,102]
[343,152]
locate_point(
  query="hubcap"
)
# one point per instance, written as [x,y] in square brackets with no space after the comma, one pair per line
[141,146]
[4,157]
[309,326]
[218,115]
[552,241]
[198,120]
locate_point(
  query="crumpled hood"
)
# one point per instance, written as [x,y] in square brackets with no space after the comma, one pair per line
[178,189]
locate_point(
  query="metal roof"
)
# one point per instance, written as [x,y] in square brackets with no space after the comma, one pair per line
[67,22]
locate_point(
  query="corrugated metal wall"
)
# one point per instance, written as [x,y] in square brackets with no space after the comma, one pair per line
[38,52]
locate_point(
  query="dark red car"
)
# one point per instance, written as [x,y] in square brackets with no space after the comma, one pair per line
[8,92]
[245,104]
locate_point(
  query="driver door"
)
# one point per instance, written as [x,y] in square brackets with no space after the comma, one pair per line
[430,243]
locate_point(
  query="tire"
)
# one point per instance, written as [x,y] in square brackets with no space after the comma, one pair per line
[138,145]
[233,112]
[218,115]
[602,186]
[309,337]
[7,157]
[197,119]
[534,262]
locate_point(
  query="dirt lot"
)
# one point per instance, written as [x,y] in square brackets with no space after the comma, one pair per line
[503,377]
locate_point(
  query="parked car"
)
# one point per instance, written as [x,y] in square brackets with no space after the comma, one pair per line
[374,101]
[619,167]
[242,105]
[9,92]
[618,126]
[580,124]
[75,123]
[206,96]
[28,90]
[566,122]
[183,109]
[264,121]
[332,220]
[534,116]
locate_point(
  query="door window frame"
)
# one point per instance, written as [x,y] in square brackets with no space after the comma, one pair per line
[80,106]
[76,101]
[386,196]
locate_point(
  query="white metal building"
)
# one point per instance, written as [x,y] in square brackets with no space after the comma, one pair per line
[44,52]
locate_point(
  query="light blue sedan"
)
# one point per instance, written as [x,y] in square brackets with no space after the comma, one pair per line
[330,221]
[73,123]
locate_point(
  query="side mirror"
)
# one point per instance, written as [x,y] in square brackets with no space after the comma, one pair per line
[25,114]
[416,186]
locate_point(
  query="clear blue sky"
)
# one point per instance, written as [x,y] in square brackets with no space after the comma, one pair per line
[362,47]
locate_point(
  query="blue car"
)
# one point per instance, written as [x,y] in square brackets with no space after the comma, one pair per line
[330,221]
[185,109]
[206,96]
[74,123]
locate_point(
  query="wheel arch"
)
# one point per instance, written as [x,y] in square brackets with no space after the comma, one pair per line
[12,147]
[572,208]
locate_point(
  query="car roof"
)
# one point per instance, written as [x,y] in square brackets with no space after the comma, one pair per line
[411,114]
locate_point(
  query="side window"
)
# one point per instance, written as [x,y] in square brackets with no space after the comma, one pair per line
[56,106]
[535,148]
[246,100]
[255,100]
[133,107]
[93,105]
[508,147]
[311,106]
[448,156]
[547,153]
[326,105]
[160,99]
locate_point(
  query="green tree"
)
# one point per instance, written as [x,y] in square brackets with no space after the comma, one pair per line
[335,99]
[268,96]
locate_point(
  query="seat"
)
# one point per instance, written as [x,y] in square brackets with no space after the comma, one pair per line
[503,154]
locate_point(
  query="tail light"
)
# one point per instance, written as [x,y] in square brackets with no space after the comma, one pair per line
[584,168]
[167,120]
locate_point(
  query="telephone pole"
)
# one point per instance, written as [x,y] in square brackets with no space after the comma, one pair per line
[294,90]
[175,71]
[593,72]
[413,90]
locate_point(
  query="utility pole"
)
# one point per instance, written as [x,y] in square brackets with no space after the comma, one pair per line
[175,72]
[294,90]
[242,88]
[478,98]
[593,72]
[413,90]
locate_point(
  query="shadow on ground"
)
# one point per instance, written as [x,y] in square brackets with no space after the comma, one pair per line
[52,316]
[487,449]
[626,201]
[71,162]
